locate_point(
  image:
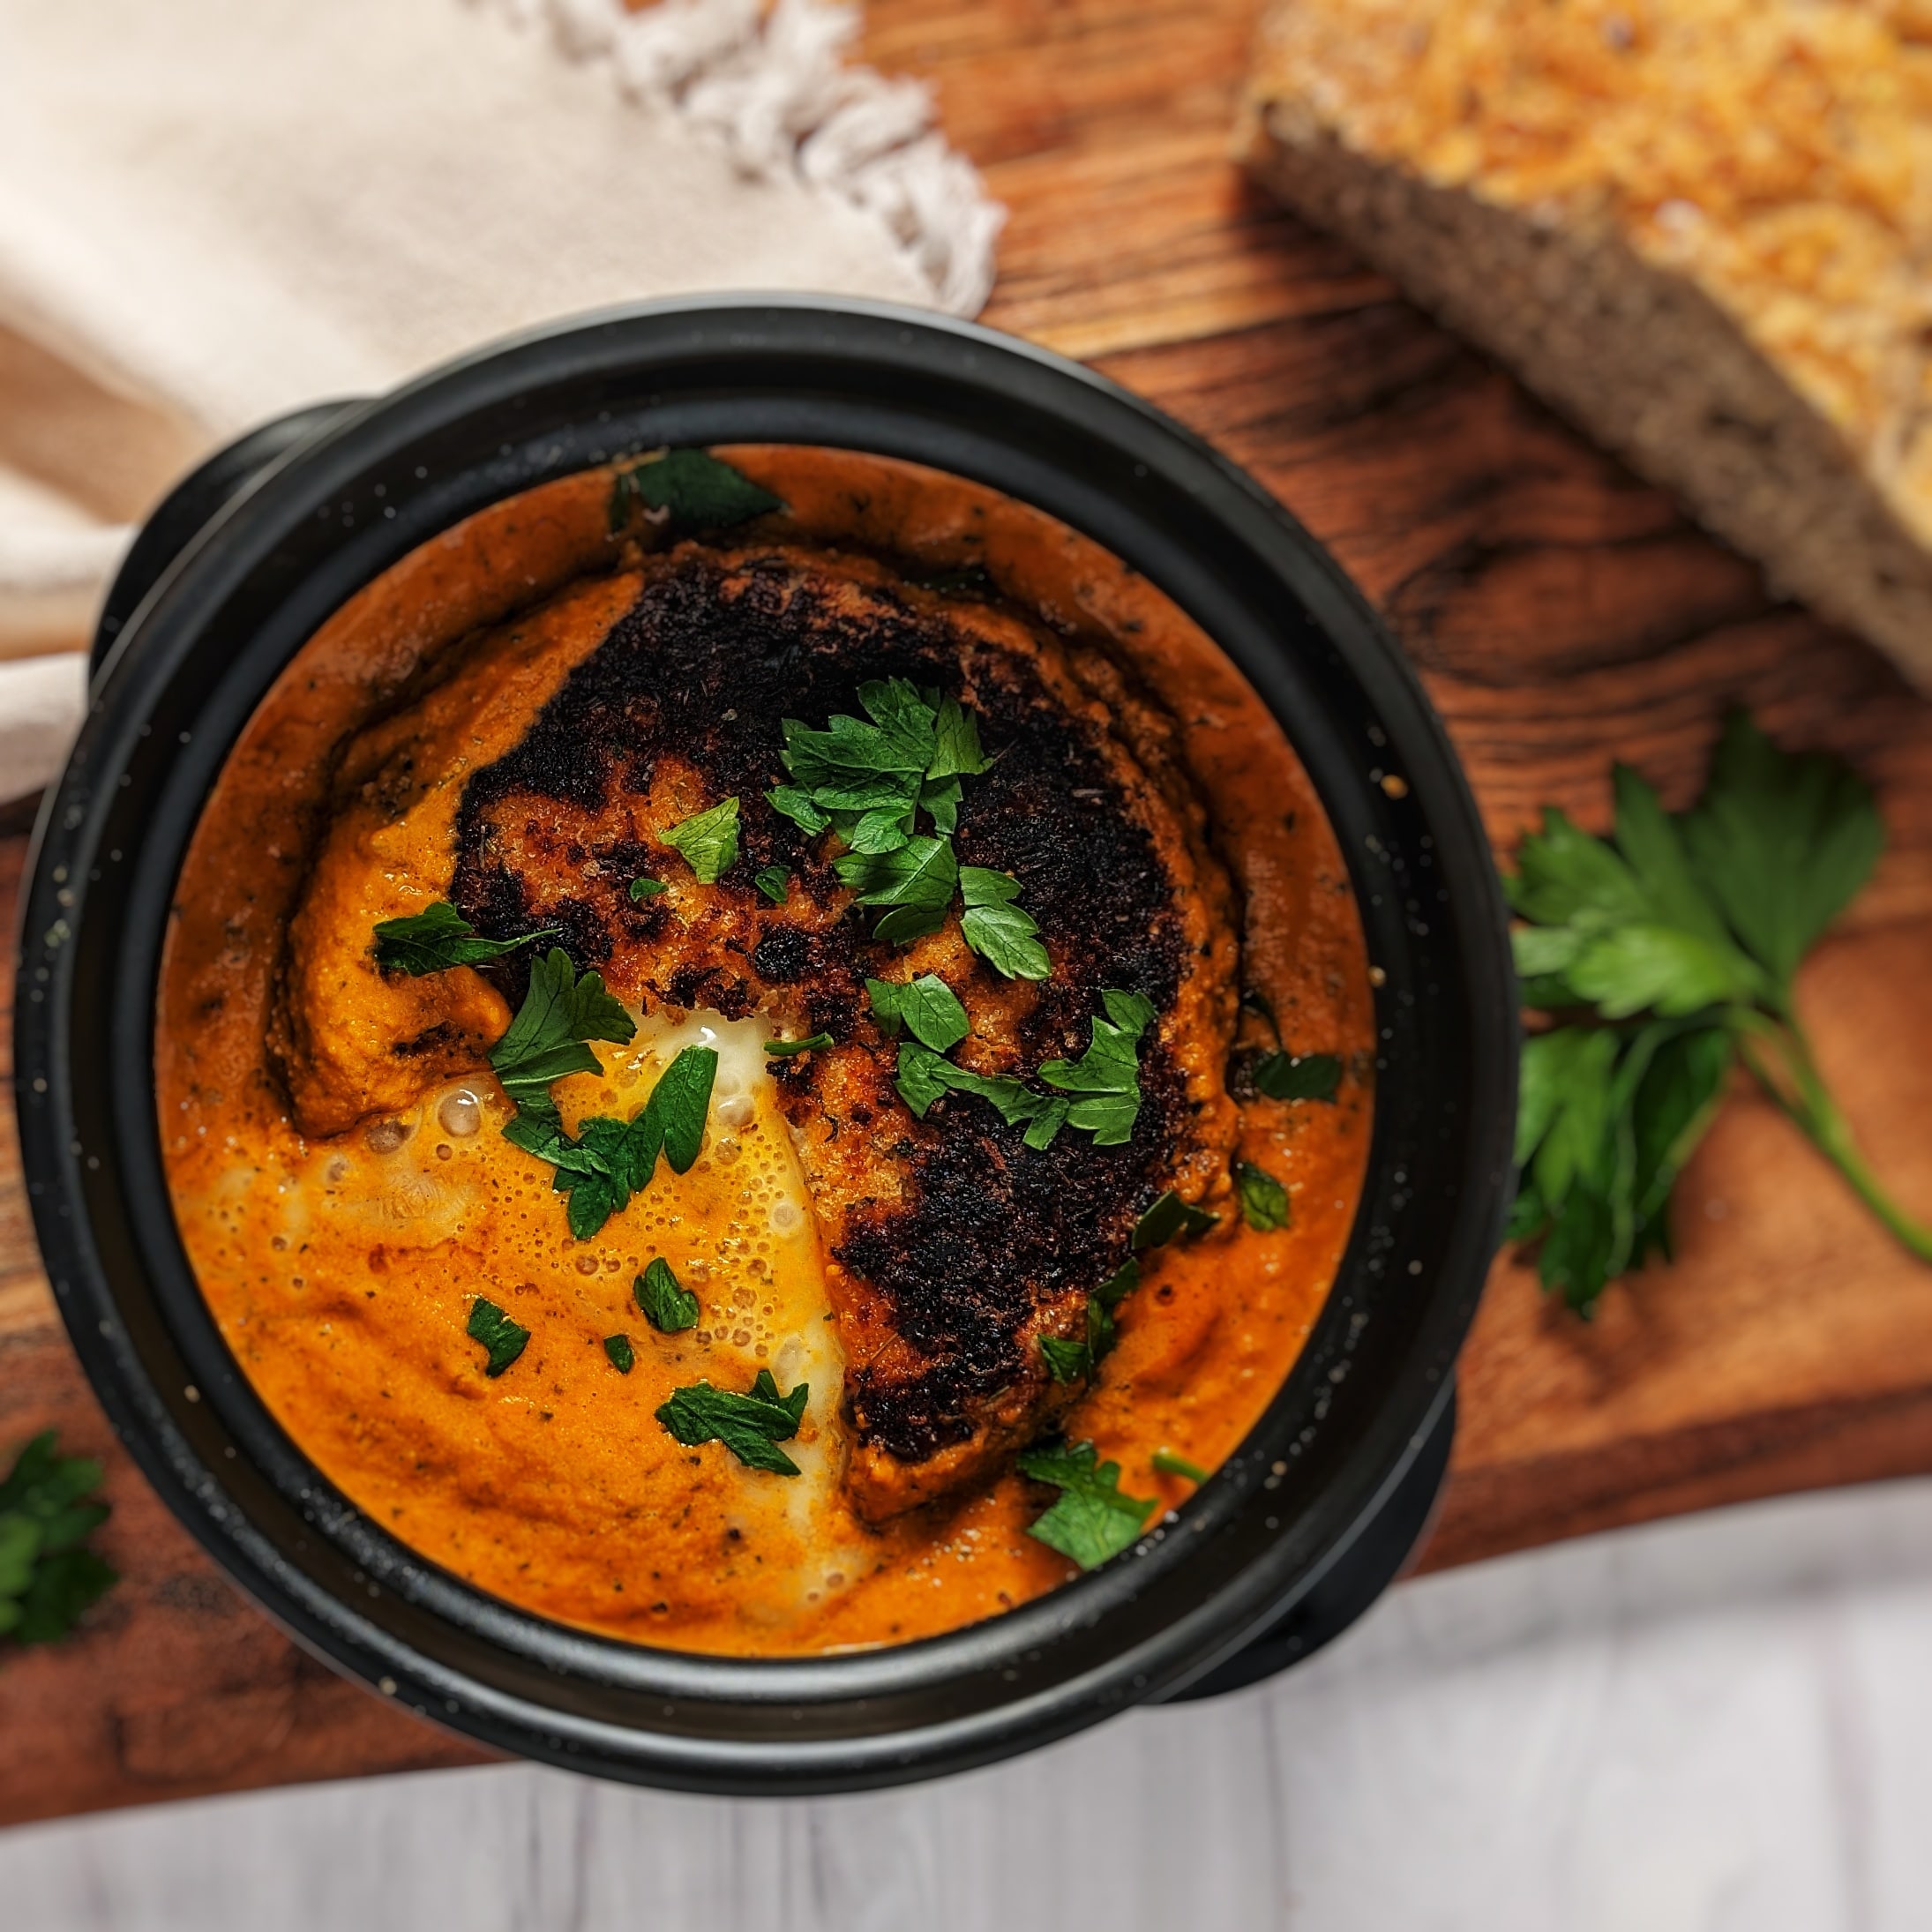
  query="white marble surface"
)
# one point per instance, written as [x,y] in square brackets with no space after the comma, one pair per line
[1722,1725]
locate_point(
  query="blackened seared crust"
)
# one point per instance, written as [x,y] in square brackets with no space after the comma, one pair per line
[702,671]
[954,1248]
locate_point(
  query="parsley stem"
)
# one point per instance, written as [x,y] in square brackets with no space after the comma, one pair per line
[1804,1098]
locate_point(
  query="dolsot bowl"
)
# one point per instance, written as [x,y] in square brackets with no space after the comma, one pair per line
[1287,1543]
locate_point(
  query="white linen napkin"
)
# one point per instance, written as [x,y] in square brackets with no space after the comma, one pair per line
[213,211]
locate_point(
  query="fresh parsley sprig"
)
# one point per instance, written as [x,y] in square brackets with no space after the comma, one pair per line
[1681,937]
[610,1159]
[686,490]
[751,1427]
[707,841]
[870,780]
[48,1574]
[548,1038]
[926,1007]
[437,938]
[1264,1200]
[503,1339]
[667,1305]
[1282,1075]
[1167,1218]
[1105,1078]
[1092,1520]
[1068,1359]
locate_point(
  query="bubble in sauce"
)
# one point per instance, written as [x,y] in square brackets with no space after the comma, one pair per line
[385,1136]
[460,1113]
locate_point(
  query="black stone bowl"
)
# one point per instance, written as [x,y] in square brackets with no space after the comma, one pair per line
[1284,1546]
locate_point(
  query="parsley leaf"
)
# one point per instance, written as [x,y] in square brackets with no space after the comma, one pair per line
[869,779]
[921,1077]
[502,1338]
[751,1427]
[1782,845]
[786,1049]
[1606,1118]
[622,1357]
[1683,935]
[927,1008]
[915,881]
[667,1305]
[48,1575]
[1298,1077]
[1108,1074]
[437,938]
[642,889]
[612,1160]
[1002,933]
[1264,1200]
[707,841]
[1170,1216]
[1107,1077]
[775,882]
[1092,1520]
[1067,1360]
[688,489]
[546,1040]
[798,807]
[681,1100]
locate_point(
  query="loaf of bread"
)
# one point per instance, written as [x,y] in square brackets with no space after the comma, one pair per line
[1702,228]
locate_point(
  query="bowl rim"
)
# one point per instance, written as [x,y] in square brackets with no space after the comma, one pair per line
[323,517]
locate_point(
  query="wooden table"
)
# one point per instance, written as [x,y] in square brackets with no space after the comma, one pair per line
[1562,614]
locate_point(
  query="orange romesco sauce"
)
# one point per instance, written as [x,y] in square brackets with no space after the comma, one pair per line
[341,1271]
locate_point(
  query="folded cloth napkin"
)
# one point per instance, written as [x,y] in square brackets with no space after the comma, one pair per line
[213,211]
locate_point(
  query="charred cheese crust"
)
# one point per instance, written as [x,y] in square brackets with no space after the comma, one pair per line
[535,785]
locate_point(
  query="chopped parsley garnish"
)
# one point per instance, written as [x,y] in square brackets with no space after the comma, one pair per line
[48,1575]
[667,1305]
[1167,1463]
[546,1040]
[923,1075]
[611,1160]
[1681,937]
[751,1427]
[925,1007]
[1107,1077]
[870,779]
[1067,1360]
[1004,934]
[1264,1200]
[502,1338]
[708,840]
[1107,1074]
[618,1347]
[642,889]
[775,882]
[688,489]
[914,881]
[681,1100]
[1170,1216]
[785,1049]
[1282,1075]
[437,938]
[1298,1077]
[1092,1520]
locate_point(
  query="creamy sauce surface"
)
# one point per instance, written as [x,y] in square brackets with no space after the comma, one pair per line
[341,1270]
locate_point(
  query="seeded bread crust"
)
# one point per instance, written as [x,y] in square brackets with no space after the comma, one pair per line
[1706,373]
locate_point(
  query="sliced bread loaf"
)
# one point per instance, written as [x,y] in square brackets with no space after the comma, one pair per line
[1701,228]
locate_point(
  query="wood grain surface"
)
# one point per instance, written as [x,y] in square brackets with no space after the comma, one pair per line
[1562,615]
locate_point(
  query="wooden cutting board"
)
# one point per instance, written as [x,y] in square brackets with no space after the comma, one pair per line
[1562,615]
